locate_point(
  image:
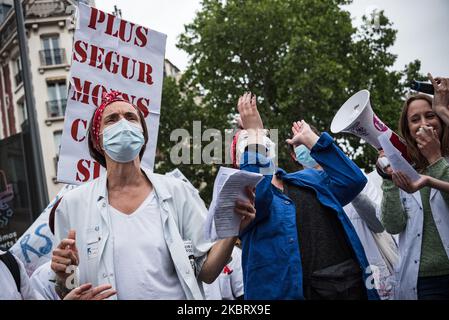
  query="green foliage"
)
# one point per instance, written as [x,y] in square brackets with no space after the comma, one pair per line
[302,58]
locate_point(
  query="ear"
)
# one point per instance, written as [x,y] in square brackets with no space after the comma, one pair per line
[100,147]
[293,156]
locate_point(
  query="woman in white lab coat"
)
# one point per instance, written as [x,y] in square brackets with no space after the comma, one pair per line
[422,218]
[15,284]
[380,247]
[133,226]
[229,284]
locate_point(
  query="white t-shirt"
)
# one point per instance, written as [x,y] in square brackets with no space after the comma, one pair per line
[143,266]
[8,287]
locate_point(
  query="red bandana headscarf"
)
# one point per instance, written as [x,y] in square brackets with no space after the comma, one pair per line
[107,99]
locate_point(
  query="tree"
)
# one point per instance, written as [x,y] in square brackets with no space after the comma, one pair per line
[302,58]
[179,111]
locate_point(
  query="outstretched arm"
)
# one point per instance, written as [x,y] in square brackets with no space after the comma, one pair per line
[346,180]
[441,97]
[255,159]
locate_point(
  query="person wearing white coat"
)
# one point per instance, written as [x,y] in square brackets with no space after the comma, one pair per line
[42,280]
[16,285]
[380,248]
[229,284]
[421,219]
[10,290]
[133,226]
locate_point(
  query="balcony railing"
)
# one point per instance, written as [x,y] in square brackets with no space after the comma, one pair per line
[51,57]
[44,9]
[56,108]
[18,78]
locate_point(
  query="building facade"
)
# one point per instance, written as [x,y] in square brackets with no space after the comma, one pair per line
[50,37]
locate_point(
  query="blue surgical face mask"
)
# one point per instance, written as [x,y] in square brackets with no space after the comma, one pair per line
[303,157]
[123,141]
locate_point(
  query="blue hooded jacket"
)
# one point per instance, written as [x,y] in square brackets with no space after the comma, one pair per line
[271,258]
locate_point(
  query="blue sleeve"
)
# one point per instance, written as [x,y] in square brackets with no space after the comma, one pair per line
[258,163]
[346,180]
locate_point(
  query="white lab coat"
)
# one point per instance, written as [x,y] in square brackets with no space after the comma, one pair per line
[8,287]
[183,214]
[228,285]
[384,273]
[42,281]
[383,276]
[411,238]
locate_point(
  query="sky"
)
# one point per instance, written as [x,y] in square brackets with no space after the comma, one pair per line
[423,26]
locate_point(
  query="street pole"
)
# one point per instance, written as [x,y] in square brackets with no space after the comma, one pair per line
[38,162]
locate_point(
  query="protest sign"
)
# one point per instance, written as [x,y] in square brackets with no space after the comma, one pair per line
[109,53]
[35,246]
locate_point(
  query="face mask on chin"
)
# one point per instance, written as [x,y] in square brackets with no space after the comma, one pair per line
[304,158]
[123,141]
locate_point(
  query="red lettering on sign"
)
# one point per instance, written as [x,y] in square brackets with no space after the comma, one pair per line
[112,61]
[127,31]
[80,51]
[145,71]
[142,35]
[88,93]
[75,129]
[83,169]
[87,169]
[81,89]
[85,90]
[96,16]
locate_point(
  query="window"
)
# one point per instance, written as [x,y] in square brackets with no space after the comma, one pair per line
[21,105]
[57,95]
[57,140]
[52,54]
[18,71]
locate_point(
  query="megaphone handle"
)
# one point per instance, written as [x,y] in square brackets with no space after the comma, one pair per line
[382,173]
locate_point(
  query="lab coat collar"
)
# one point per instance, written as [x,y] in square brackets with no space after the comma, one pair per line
[417,196]
[158,181]
[433,192]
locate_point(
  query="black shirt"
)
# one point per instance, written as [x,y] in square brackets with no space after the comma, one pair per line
[325,250]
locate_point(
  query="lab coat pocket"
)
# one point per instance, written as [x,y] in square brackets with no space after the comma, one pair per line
[93,239]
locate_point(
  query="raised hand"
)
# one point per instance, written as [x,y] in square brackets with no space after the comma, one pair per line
[249,115]
[441,97]
[302,134]
[428,143]
[64,256]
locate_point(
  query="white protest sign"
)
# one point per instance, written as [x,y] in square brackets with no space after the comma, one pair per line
[35,246]
[109,53]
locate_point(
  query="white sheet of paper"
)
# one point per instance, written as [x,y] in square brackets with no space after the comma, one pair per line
[397,161]
[222,222]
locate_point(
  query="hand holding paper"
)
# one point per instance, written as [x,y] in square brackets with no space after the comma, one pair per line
[403,182]
[232,191]
[397,162]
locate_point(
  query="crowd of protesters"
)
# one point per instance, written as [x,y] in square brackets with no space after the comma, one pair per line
[327,231]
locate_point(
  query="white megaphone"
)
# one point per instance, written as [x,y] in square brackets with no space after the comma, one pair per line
[357,117]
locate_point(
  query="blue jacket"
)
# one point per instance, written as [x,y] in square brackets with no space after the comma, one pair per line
[271,258]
